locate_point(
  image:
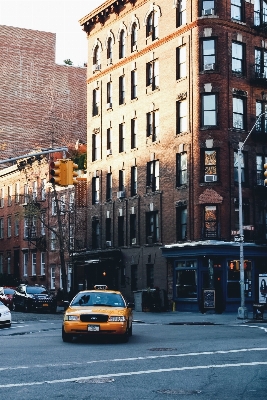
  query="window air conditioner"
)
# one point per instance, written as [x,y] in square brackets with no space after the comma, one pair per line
[108,243]
[134,47]
[134,241]
[109,152]
[209,11]
[209,67]
[121,194]
[210,178]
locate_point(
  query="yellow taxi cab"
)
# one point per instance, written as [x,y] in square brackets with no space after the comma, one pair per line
[98,312]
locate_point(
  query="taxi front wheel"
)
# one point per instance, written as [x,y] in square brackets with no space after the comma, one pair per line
[66,337]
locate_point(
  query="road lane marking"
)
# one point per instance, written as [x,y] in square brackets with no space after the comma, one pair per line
[56,365]
[120,374]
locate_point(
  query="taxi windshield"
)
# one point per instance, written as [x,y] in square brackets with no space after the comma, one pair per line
[98,299]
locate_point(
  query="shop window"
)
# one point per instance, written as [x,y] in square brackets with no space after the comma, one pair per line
[186,279]
[233,278]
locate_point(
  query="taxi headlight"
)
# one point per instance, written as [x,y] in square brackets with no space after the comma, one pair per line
[117,318]
[71,318]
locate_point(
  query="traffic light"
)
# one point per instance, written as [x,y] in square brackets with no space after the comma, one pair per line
[71,172]
[58,172]
[265,174]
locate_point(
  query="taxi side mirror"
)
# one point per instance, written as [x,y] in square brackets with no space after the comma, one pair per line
[130,305]
[66,305]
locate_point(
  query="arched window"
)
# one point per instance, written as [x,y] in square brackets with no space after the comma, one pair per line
[122,44]
[152,25]
[109,49]
[96,58]
[134,37]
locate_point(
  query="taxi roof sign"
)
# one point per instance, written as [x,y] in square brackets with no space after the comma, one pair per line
[100,287]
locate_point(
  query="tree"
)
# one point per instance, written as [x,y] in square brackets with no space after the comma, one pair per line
[68,62]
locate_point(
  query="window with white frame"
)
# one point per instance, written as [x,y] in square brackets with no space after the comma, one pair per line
[9,195]
[2,197]
[43,191]
[152,74]
[95,190]
[152,227]
[17,189]
[53,241]
[260,12]
[238,52]
[9,226]
[42,272]
[181,62]
[181,13]
[1,228]
[25,263]
[208,52]
[33,264]
[53,277]
[152,129]
[95,146]
[181,223]
[153,175]
[26,193]
[237,9]
[209,109]
[181,107]
[133,181]
[181,168]
[261,123]
[238,113]
[34,190]
[261,63]
[16,223]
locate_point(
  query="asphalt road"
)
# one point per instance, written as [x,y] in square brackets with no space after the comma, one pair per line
[160,361]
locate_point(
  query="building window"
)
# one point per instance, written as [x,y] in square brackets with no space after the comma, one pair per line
[133,239]
[181,223]
[9,195]
[238,113]
[133,84]
[210,222]
[1,228]
[210,166]
[134,37]
[25,263]
[34,191]
[238,57]
[153,175]
[152,74]
[33,263]
[53,277]
[153,125]
[261,63]
[53,240]
[96,98]
[2,197]
[122,89]
[207,7]
[181,171]
[95,190]
[233,277]
[108,229]
[122,44]
[26,228]
[95,147]
[9,262]
[180,62]
[133,133]
[42,263]
[120,231]
[260,12]
[260,161]
[16,221]
[152,227]
[109,187]
[121,180]
[243,163]
[150,276]
[43,224]
[181,13]
[121,137]
[261,125]
[43,191]
[208,54]
[133,277]
[209,110]
[96,58]
[181,116]
[133,181]
[109,141]
[95,234]
[152,25]
[16,192]
[109,95]
[186,279]
[109,50]
[26,194]
[236,9]
[9,226]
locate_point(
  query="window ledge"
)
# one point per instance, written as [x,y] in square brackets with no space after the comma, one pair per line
[182,187]
[133,100]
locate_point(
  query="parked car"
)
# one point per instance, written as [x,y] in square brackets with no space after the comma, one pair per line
[6,296]
[98,312]
[5,316]
[30,298]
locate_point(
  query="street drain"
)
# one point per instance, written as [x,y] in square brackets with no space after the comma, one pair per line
[162,349]
[171,391]
[95,380]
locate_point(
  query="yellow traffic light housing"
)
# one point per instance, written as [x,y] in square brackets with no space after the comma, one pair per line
[74,173]
[58,172]
[265,173]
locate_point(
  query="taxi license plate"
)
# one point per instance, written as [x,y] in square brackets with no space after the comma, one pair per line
[45,305]
[93,328]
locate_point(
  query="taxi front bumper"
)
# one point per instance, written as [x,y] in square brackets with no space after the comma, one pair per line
[85,328]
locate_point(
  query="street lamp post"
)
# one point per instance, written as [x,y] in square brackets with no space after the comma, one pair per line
[242,310]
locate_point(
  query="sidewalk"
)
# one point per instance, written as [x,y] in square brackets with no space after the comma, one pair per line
[193,318]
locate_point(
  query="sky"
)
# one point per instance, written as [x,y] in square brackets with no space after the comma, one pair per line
[56,16]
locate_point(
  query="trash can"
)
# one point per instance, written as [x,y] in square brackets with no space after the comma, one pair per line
[258,310]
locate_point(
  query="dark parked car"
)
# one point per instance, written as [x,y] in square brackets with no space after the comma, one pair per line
[6,296]
[30,298]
